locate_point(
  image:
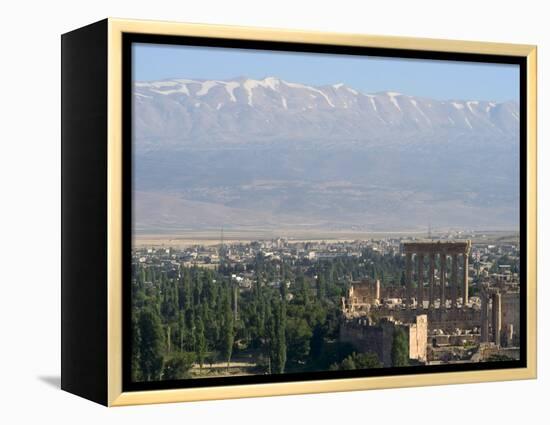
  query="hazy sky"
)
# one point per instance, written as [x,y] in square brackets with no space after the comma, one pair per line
[415,77]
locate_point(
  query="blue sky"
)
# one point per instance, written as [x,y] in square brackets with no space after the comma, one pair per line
[415,77]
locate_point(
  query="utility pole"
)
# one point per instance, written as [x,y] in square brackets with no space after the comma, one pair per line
[221,241]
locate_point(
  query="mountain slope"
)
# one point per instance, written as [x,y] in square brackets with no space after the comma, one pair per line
[270,154]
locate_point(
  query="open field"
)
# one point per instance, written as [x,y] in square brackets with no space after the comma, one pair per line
[235,368]
[213,237]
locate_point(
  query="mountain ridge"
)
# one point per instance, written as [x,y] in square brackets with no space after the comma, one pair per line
[244,110]
[272,81]
[270,153]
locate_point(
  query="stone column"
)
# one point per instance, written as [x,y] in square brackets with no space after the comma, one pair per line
[465,279]
[432,280]
[442,278]
[510,334]
[497,320]
[409,279]
[420,282]
[484,317]
[454,280]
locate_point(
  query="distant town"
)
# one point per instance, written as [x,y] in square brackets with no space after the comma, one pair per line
[285,306]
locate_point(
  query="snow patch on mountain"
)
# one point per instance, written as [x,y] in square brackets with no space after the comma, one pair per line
[230,88]
[269,82]
[205,87]
[313,89]
[393,99]
[470,103]
[373,103]
[283,101]
[415,104]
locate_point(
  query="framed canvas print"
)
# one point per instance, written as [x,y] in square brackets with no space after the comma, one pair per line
[251,212]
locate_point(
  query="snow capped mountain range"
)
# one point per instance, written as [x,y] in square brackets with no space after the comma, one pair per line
[249,110]
[272,154]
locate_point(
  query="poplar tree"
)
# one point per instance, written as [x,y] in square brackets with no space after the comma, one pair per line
[280,359]
[400,348]
[228,334]
[151,344]
[200,345]
[321,287]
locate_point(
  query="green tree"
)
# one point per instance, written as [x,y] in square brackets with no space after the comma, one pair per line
[200,343]
[367,361]
[400,348]
[299,335]
[228,334]
[283,288]
[303,291]
[321,287]
[278,338]
[317,340]
[179,366]
[151,344]
[181,329]
[136,342]
[358,361]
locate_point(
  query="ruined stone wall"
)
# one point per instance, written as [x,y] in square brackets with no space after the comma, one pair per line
[448,320]
[392,292]
[361,295]
[452,319]
[379,338]
[418,338]
[510,308]
[375,339]
[487,350]
[441,340]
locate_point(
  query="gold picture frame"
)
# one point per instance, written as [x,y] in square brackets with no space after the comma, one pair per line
[114,30]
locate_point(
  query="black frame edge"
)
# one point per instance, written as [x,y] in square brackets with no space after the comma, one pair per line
[84,211]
